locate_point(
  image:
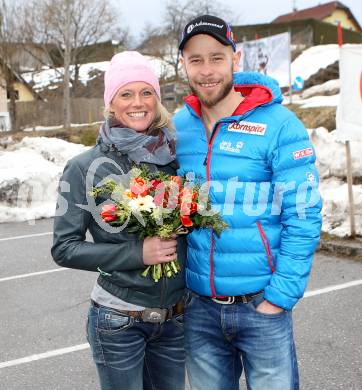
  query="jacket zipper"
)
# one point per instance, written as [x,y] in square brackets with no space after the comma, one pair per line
[208,176]
[266,243]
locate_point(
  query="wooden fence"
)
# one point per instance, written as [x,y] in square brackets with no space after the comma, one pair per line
[50,113]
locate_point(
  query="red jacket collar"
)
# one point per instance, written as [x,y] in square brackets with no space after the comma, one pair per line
[255,95]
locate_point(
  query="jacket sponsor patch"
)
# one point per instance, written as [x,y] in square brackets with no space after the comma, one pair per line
[302,153]
[227,146]
[248,127]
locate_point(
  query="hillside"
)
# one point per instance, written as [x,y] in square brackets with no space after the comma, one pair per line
[315,105]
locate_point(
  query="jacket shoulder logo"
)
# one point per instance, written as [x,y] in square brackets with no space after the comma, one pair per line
[248,127]
[302,153]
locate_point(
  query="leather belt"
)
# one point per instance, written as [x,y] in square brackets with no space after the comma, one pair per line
[152,314]
[246,298]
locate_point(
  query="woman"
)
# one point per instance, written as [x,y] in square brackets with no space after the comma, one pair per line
[134,324]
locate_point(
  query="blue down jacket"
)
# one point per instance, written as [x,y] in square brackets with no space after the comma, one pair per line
[260,162]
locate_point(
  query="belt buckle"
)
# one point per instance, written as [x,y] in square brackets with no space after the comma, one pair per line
[154,315]
[230,301]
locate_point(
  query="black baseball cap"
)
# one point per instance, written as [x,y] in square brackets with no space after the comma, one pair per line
[210,25]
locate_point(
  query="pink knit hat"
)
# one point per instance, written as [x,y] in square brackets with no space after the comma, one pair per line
[125,68]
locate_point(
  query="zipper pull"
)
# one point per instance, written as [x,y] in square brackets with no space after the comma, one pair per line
[205,161]
[103,273]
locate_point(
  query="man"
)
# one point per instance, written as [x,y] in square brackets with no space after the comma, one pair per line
[259,162]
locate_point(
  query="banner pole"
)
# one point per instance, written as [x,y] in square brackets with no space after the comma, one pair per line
[350,189]
[348,158]
[290,65]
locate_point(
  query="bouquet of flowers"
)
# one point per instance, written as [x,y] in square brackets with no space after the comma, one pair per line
[158,204]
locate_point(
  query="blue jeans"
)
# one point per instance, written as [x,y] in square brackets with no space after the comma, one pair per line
[221,340]
[134,355]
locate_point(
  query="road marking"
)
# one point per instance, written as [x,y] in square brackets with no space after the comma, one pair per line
[332,288]
[45,355]
[80,347]
[26,236]
[33,274]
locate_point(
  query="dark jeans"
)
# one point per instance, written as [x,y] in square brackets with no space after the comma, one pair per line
[135,355]
[221,340]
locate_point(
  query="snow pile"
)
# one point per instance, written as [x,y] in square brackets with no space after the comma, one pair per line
[331,154]
[313,59]
[29,175]
[317,101]
[335,212]
[309,63]
[311,98]
[54,150]
[330,85]
[317,96]
[52,128]
[331,164]
[47,77]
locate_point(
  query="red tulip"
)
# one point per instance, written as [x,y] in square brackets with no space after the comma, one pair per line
[108,213]
[186,221]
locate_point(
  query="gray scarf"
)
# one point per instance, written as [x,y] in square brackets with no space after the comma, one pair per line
[158,148]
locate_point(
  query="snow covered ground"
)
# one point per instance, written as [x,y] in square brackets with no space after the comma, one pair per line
[317,96]
[29,175]
[47,77]
[50,128]
[331,164]
[313,59]
[30,170]
[314,101]
[330,85]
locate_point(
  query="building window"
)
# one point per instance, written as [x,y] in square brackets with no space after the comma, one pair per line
[16,92]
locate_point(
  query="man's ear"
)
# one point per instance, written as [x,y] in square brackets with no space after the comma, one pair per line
[183,66]
[182,62]
[236,60]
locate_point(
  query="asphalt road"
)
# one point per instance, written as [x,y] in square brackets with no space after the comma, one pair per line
[41,314]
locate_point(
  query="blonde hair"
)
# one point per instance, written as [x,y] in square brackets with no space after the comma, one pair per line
[162,119]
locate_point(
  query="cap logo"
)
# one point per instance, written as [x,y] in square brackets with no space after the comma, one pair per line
[190,28]
[201,23]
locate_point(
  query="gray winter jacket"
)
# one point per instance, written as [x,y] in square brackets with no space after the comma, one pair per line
[118,254]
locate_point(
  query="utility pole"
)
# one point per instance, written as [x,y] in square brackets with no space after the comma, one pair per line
[67,58]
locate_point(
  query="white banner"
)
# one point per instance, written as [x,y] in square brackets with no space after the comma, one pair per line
[270,56]
[349,110]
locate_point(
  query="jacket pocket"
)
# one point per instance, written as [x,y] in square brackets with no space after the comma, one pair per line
[266,244]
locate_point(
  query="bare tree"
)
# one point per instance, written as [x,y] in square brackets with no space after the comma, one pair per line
[8,32]
[66,29]
[67,59]
[177,14]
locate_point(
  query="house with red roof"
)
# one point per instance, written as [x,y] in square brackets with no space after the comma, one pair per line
[333,12]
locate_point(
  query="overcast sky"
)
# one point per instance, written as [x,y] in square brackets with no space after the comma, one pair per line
[137,13]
